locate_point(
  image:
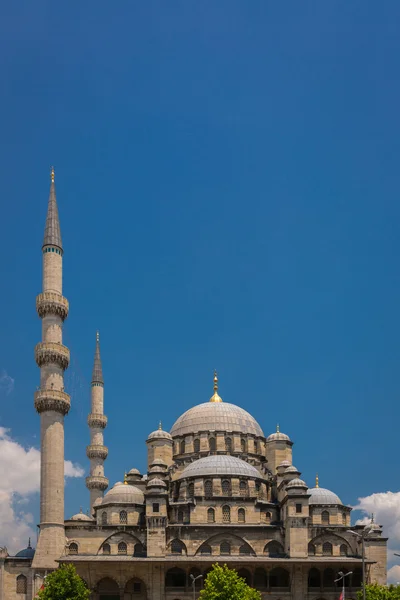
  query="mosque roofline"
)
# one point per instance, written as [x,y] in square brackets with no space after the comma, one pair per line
[173,558]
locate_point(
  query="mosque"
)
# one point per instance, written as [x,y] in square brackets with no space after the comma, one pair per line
[217,489]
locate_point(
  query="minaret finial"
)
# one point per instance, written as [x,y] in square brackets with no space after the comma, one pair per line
[97,336]
[372,518]
[125,479]
[97,375]
[277,428]
[215,397]
[29,543]
[160,426]
[52,175]
[317,481]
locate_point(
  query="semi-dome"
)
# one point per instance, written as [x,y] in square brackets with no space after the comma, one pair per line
[27,552]
[219,465]
[216,416]
[80,516]
[278,436]
[159,434]
[323,496]
[124,494]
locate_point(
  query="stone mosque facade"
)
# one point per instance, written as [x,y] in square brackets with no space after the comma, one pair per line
[216,490]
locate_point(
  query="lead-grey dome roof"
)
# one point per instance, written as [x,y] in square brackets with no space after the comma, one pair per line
[323,496]
[219,465]
[123,493]
[216,416]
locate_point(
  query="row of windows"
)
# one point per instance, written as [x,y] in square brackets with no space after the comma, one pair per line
[123,516]
[327,549]
[272,549]
[138,550]
[51,249]
[212,445]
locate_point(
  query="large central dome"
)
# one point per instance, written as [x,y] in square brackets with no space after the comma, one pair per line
[216,416]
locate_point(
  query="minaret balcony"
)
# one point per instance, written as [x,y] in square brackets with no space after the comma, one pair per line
[97,451]
[97,482]
[97,420]
[51,303]
[52,400]
[50,353]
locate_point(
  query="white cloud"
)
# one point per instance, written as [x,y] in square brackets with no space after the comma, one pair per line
[19,480]
[386,509]
[6,383]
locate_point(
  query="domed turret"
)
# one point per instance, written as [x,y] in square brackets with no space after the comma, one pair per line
[159,445]
[278,449]
[27,552]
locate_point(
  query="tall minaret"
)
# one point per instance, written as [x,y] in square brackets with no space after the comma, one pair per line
[97,421]
[51,402]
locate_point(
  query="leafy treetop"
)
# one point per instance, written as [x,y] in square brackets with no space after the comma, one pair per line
[64,584]
[223,583]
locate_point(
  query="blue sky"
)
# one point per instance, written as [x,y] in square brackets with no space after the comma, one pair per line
[227,180]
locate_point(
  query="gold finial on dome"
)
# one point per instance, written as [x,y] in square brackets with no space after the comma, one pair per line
[277,428]
[317,481]
[160,426]
[215,397]
[52,175]
[125,479]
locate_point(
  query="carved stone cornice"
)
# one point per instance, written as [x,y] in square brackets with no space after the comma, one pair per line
[97,420]
[52,400]
[51,303]
[97,451]
[97,482]
[47,353]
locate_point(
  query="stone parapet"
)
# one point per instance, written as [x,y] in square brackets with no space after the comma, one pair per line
[97,420]
[52,400]
[97,482]
[52,353]
[53,304]
[97,451]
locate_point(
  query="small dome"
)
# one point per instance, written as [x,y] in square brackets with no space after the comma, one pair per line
[159,434]
[323,496]
[134,472]
[291,469]
[278,436]
[219,465]
[80,516]
[27,552]
[156,482]
[124,494]
[296,483]
[157,469]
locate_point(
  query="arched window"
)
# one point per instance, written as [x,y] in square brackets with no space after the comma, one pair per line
[327,549]
[279,577]
[243,445]
[175,577]
[104,518]
[208,488]
[182,447]
[260,579]
[210,515]
[190,490]
[180,516]
[228,444]
[226,514]
[344,519]
[246,575]
[325,517]
[73,548]
[226,487]
[274,549]
[225,548]
[106,549]
[205,550]
[123,517]
[343,550]
[245,550]
[311,550]
[241,515]
[243,487]
[212,445]
[177,547]
[21,584]
[196,445]
[268,517]
[314,578]
[122,548]
[139,550]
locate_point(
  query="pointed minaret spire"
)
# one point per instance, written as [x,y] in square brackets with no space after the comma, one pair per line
[97,375]
[52,232]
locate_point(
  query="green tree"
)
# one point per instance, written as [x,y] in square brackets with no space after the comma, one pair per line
[223,583]
[64,584]
[380,592]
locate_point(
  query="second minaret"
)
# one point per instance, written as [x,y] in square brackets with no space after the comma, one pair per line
[97,421]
